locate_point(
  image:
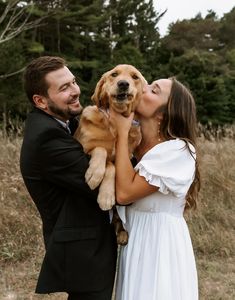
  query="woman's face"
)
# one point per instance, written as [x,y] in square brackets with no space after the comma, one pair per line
[154,95]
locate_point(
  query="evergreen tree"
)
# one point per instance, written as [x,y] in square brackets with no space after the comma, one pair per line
[95,35]
[227,30]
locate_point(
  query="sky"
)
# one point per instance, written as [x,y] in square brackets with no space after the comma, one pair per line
[187,9]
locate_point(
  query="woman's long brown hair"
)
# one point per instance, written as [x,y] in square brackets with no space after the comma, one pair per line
[180,121]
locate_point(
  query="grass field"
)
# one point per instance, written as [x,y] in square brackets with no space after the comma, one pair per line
[212,225]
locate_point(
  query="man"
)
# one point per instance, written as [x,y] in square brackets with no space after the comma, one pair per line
[80,243]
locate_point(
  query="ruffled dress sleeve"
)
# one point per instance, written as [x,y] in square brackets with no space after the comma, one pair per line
[169,166]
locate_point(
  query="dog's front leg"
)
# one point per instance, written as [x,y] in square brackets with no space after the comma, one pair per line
[95,172]
[106,197]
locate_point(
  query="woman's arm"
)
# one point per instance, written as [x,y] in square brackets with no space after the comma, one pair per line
[130,186]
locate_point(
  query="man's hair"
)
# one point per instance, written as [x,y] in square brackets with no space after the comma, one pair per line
[35,73]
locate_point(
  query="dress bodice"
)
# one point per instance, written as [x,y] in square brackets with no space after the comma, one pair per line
[170,167]
[158,202]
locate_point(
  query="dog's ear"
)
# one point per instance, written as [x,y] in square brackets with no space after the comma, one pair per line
[139,94]
[143,80]
[100,97]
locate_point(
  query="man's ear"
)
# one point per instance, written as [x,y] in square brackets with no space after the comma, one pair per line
[40,102]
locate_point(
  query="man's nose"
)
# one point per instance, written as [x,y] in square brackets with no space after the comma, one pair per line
[76,90]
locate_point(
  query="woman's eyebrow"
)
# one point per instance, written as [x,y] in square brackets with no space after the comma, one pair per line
[155,85]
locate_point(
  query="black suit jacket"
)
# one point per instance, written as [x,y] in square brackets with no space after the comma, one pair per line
[79,240]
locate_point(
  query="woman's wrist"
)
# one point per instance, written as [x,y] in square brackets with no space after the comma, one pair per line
[123,135]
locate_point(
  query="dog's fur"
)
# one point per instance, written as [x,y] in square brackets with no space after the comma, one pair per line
[120,88]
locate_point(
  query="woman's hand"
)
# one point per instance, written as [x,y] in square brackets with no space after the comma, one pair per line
[121,123]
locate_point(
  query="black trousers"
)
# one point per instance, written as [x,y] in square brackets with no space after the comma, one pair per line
[105,294]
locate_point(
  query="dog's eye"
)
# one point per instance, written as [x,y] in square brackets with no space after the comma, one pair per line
[114,74]
[135,77]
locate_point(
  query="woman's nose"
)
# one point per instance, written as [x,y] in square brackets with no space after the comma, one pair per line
[145,88]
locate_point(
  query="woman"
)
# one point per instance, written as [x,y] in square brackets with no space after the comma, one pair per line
[158,262]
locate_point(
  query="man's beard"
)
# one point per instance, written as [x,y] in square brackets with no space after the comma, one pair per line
[63,113]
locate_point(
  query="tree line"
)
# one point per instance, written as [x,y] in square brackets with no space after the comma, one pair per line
[95,35]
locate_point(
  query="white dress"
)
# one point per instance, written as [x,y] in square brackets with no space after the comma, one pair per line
[158,262]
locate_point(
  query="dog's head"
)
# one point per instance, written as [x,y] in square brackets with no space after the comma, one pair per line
[120,88]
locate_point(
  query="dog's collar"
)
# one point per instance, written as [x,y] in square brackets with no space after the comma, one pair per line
[135,123]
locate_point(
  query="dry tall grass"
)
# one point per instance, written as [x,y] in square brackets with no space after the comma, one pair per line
[212,226]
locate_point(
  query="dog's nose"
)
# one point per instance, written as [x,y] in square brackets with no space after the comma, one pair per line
[123,85]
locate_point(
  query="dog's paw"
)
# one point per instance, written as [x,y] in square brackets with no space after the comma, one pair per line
[94,176]
[122,237]
[106,199]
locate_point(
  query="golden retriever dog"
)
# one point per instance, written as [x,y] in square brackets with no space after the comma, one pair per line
[120,88]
